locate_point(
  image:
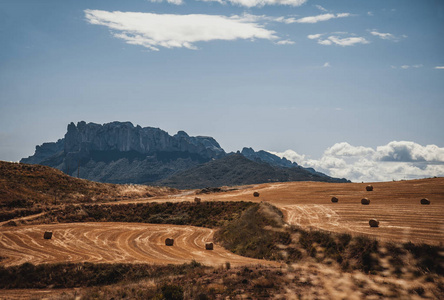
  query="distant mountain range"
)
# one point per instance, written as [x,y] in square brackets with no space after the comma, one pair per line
[120,152]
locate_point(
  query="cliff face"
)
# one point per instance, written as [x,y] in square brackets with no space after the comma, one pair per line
[121,152]
[124,137]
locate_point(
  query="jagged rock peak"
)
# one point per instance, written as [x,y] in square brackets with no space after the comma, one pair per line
[123,136]
[81,141]
[181,133]
[267,157]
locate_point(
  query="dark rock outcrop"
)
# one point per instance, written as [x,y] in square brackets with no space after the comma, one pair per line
[120,152]
[45,151]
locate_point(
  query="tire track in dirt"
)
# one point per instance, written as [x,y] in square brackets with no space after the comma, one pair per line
[114,243]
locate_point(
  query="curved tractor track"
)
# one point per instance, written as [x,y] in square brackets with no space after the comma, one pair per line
[113,243]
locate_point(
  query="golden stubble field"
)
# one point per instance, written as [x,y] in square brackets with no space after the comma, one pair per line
[396,205]
[307,204]
[114,243]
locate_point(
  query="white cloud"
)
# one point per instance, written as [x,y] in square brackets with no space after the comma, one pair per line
[439,67]
[177,2]
[285,42]
[326,65]
[349,41]
[319,18]
[370,13]
[260,3]
[409,152]
[314,36]
[175,31]
[290,155]
[396,160]
[345,149]
[321,8]
[324,42]
[405,67]
[384,36]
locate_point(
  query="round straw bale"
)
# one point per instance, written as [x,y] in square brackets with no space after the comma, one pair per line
[373,223]
[365,201]
[334,199]
[197,200]
[209,246]
[47,235]
[369,188]
[256,194]
[169,242]
[425,201]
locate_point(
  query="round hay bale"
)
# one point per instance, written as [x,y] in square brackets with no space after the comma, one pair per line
[373,223]
[197,200]
[47,235]
[209,246]
[365,201]
[369,188]
[169,242]
[334,199]
[425,201]
[256,194]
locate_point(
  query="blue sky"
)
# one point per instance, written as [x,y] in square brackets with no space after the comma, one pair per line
[299,75]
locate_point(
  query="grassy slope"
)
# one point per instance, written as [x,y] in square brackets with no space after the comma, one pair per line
[235,169]
[23,185]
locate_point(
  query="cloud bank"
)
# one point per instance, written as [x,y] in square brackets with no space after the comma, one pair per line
[176,31]
[395,161]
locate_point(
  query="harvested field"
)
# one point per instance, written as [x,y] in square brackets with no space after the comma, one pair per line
[113,243]
[395,204]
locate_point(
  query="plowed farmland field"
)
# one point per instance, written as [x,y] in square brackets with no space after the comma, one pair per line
[307,204]
[113,243]
[395,204]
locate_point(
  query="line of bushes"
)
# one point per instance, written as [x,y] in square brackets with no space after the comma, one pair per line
[205,214]
[69,275]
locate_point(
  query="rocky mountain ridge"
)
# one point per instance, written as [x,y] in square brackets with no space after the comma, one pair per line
[119,152]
